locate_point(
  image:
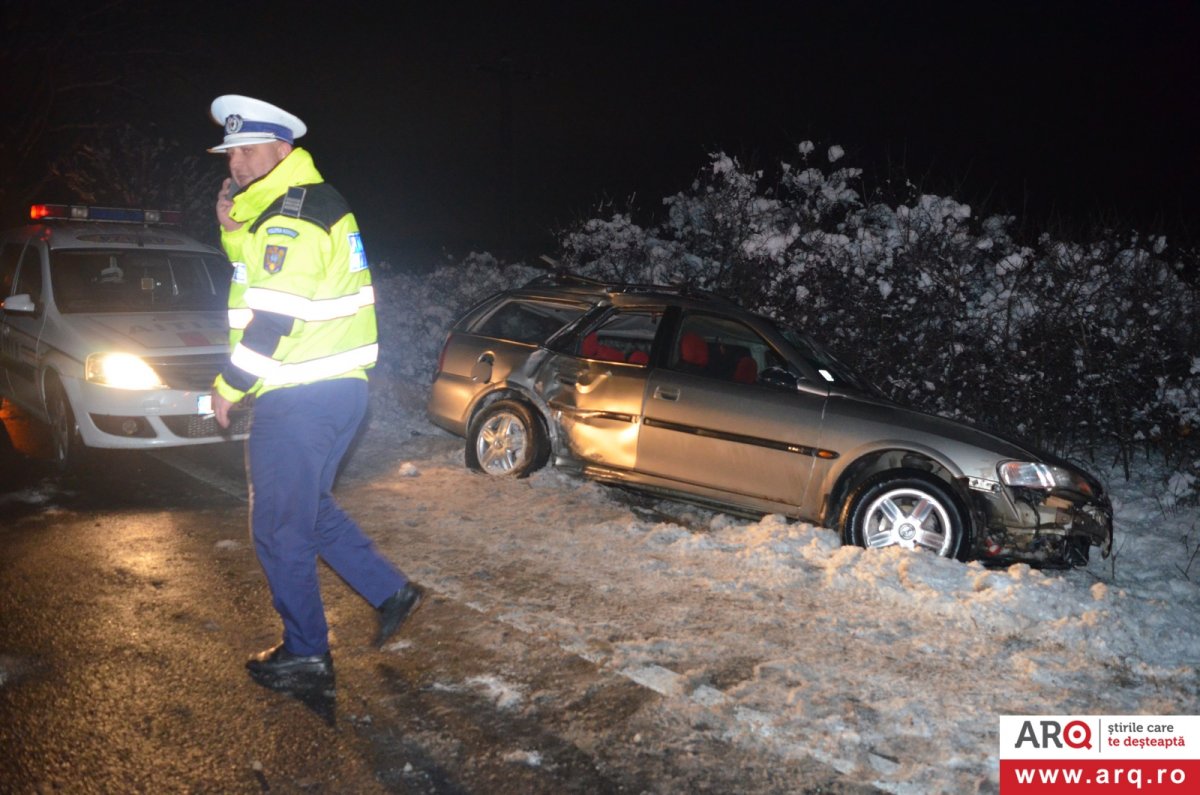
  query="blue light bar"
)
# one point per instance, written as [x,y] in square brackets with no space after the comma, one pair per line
[124,215]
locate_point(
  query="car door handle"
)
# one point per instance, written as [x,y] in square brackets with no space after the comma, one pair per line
[567,379]
[666,394]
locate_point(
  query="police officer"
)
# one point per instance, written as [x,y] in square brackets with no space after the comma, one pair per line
[302,336]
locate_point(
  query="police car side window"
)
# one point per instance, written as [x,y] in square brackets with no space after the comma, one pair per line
[10,255]
[29,279]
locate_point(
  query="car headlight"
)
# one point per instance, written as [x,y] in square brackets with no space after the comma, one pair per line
[121,371]
[1031,475]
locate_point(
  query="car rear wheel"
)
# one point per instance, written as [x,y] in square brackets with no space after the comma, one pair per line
[906,509]
[67,447]
[507,440]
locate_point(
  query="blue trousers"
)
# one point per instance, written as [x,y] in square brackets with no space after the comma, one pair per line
[297,441]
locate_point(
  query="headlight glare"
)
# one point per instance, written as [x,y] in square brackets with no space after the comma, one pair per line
[121,371]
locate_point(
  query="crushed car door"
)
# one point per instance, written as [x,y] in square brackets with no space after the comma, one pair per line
[714,419]
[595,387]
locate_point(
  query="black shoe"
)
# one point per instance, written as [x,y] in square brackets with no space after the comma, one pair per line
[279,668]
[396,608]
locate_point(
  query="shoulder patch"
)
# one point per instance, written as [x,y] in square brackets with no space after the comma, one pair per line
[358,254]
[273,258]
[282,230]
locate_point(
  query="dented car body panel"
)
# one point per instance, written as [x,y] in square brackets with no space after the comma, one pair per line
[690,396]
[597,406]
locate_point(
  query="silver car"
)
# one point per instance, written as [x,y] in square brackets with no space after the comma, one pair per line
[112,328]
[690,396]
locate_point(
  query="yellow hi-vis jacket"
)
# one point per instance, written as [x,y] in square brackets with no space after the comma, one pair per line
[301,305]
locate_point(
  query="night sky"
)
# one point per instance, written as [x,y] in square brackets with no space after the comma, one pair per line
[489,125]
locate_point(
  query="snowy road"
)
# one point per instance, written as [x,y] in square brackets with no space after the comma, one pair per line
[577,639]
[891,668]
[129,599]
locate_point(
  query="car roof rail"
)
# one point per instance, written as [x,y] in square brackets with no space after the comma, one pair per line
[564,279]
[685,290]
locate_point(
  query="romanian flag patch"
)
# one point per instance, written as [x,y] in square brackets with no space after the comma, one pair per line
[273,259]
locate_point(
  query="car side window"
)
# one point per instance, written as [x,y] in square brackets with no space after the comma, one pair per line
[522,320]
[623,336]
[717,347]
[10,255]
[29,277]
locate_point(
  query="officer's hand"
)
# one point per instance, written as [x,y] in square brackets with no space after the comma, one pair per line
[221,407]
[224,206]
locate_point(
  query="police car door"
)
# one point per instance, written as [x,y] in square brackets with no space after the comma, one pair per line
[22,275]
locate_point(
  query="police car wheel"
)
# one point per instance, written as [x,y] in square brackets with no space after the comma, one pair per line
[506,440]
[64,434]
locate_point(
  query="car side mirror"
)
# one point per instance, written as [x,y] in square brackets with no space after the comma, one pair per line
[778,376]
[19,303]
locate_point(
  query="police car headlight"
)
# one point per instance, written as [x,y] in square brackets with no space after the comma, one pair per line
[121,371]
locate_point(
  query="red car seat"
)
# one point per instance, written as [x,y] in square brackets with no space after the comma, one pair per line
[693,351]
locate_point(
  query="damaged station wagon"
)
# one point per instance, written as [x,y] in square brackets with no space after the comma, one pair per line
[687,395]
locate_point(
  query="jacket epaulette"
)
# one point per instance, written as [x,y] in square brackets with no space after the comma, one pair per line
[319,204]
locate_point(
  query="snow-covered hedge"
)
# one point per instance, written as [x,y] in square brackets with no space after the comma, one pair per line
[1077,345]
[416,311]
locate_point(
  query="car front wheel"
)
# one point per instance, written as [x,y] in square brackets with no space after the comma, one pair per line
[506,440]
[906,509]
[68,449]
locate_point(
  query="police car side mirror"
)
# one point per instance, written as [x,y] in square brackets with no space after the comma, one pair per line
[19,303]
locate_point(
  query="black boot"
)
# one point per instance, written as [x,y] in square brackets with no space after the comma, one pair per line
[396,608]
[280,669]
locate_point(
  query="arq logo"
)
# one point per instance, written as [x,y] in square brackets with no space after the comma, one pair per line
[1075,734]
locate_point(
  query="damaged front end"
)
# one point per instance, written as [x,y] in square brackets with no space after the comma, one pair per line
[1041,514]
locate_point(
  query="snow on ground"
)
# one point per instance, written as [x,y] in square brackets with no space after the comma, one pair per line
[892,667]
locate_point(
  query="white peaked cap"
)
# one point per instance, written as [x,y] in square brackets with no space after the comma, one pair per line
[249,121]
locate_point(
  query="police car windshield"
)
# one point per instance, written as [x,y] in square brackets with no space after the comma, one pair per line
[138,281]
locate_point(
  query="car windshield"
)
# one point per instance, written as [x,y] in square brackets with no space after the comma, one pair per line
[825,362]
[138,281]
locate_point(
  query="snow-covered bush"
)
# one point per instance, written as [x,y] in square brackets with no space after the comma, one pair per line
[1078,345]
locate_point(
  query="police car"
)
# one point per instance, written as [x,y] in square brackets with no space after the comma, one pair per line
[112,328]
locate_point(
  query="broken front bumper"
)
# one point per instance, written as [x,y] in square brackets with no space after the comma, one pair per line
[1054,527]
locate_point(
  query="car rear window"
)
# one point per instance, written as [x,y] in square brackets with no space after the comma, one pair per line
[528,321]
[138,281]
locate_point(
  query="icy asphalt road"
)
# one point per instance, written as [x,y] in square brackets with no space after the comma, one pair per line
[129,599]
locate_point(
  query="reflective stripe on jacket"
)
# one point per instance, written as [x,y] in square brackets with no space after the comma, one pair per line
[301,304]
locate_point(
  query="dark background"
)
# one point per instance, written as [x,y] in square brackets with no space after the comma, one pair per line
[489,126]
